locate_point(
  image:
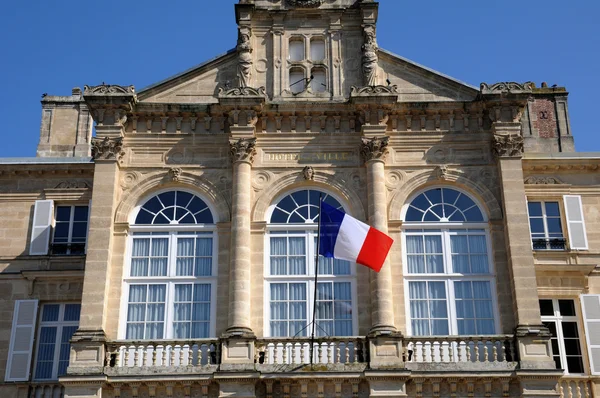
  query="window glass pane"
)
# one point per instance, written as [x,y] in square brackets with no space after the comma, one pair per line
[552,209]
[575,364]
[296,50]
[61,232]
[297,81]
[72,312]
[570,330]
[63,359]
[554,226]
[50,313]
[535,209]
[45,355]
[435,264]
[63,213]
[317,50]
[536,225]
[546,307]
[566,307]
[81,213]
[319,81]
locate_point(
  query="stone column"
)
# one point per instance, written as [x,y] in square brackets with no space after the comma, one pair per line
[533,338]
[373,151]
[242,154]
[87,356]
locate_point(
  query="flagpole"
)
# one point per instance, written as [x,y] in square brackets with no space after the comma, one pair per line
[312,335]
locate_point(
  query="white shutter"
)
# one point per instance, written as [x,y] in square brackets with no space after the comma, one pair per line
[40,231]
[21,340]
[575,222]
[87,232]
[528,222]
[590,303]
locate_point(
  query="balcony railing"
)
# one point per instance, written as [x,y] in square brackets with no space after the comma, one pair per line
[46,390]
[575,387]
[67,249]
[549,243]
[297,351]
[139,354]
[446,349]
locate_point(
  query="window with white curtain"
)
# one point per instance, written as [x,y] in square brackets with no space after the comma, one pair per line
[296,49]
[290,271]
[317,49]
[318,82]
[57,325]
[170,283]
[448,268]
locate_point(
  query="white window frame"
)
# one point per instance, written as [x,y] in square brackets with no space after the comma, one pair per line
[557,318]
[448,277]
[71,222]
[60,324]
[309,230]
[544,217]
[170,280]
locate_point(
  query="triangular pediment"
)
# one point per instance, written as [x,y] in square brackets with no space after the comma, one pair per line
[417,83]
[197,85]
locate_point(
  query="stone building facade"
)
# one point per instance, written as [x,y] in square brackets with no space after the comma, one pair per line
[173,253]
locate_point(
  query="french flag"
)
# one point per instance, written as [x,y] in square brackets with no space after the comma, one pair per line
[345,238]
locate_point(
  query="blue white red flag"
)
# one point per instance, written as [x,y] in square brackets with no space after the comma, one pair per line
[345,238]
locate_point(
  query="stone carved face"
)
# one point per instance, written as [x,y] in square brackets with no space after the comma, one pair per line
[309,173]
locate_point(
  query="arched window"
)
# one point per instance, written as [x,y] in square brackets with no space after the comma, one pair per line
[448,266]
[290,270]
[171,269]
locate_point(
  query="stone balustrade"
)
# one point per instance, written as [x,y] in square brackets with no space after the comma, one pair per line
[575,387]
[297,351]
[448,349]
[163,353]
[46,390]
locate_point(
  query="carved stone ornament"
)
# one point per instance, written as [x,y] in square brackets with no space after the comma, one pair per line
[107,148]
[506,87]
[242,150]
[373,90]
[244,50]
[309,173]
[374,148]
[508,145]
[542,180]
[243,92]
[72,185]
[175,173]
[305,3]
[441,172]
[104,89]
[370,58]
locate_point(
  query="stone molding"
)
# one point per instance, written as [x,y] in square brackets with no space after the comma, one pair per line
[242,150]
[73,184]
[305,3]
[542,180]
[374,148]
[107,148]
[242,92]
[506,88]
[507,145]
[373,91]
[108,89]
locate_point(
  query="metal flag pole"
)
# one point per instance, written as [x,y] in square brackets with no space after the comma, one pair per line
[312,335]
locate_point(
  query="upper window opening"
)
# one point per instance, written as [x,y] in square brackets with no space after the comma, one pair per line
[174,207]
[301,207]
[319,80]
[297,80]
[443,205]
[296,50]
[317,50]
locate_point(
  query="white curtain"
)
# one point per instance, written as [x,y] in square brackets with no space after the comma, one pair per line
[204,256]
[474,307]
[278,256]
[160,253]
[182,311]
[342,292]
[136,312]
[414,245]
[479,259]
[279,309]
[191,311]
[139,253]
[185,257]
[297,256]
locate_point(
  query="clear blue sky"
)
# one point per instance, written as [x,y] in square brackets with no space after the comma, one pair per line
[52,46]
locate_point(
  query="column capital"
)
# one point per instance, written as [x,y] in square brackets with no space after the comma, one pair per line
[374,148]
[507,140]
[242,150]
[107,148]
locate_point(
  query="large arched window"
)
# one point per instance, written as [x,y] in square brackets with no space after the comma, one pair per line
[448,266]
[171,268]
[290,271]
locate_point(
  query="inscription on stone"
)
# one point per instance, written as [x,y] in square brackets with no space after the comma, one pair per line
[312,157]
